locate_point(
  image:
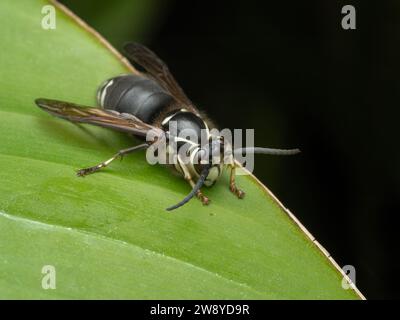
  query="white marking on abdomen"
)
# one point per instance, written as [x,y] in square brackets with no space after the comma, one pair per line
[103,92]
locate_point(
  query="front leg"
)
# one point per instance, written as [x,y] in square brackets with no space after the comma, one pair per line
[204,200]
[232,184]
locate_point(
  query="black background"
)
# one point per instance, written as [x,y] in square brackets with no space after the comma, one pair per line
[289,70]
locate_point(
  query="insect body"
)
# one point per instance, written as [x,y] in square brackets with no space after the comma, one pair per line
[137,104]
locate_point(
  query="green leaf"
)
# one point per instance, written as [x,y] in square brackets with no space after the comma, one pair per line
[108,235]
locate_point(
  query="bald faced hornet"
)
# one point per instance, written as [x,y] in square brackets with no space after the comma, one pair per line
[150,102]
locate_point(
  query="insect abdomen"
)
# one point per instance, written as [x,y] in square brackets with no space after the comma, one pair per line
[133,94]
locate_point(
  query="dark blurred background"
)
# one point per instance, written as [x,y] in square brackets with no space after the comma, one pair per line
[289,70]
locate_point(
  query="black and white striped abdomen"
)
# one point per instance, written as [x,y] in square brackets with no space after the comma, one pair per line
[133,94]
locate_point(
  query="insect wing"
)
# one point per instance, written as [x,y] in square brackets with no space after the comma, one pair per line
[96,116]
[159,71]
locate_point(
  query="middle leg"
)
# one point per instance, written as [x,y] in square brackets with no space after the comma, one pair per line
[85,171]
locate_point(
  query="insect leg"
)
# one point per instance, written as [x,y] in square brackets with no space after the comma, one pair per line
[85,171]
[204,200]
[232,184]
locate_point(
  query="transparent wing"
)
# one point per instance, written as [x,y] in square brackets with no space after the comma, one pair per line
[104,118]
[159,71]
